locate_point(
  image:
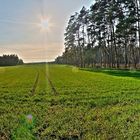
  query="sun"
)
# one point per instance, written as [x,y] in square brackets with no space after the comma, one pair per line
[45,24]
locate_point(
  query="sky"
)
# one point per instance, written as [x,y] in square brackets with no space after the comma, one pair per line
[34,29]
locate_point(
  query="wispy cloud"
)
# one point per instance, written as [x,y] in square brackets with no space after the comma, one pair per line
[34,52]
[20,33]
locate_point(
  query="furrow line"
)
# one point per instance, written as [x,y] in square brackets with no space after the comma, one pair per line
[35,85]
[52,85]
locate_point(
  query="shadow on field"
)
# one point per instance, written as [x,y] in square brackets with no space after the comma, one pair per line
[120,73]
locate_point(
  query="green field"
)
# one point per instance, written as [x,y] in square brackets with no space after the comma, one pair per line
[67,103]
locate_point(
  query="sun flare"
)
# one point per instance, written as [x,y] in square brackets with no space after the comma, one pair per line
[45,24]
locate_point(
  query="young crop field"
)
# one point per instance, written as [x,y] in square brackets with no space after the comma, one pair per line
[60,102]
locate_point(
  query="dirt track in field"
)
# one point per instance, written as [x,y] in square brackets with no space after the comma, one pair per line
[35,84]
[52,85]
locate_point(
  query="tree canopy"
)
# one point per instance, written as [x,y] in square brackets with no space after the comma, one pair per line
[106,35]
[10,60]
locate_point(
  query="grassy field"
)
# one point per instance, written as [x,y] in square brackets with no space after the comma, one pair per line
[61,102]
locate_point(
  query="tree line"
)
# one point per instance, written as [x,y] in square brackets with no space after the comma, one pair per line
[10,60]
[105,35]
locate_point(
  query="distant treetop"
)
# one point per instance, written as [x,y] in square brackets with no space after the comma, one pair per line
[10,60]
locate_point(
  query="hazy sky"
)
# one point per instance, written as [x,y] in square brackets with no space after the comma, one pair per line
[21,31]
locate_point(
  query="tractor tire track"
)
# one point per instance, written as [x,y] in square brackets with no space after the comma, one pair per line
[32,92]
[52,85]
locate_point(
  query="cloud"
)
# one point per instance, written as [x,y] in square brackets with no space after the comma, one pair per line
[20,33]
[34,52]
